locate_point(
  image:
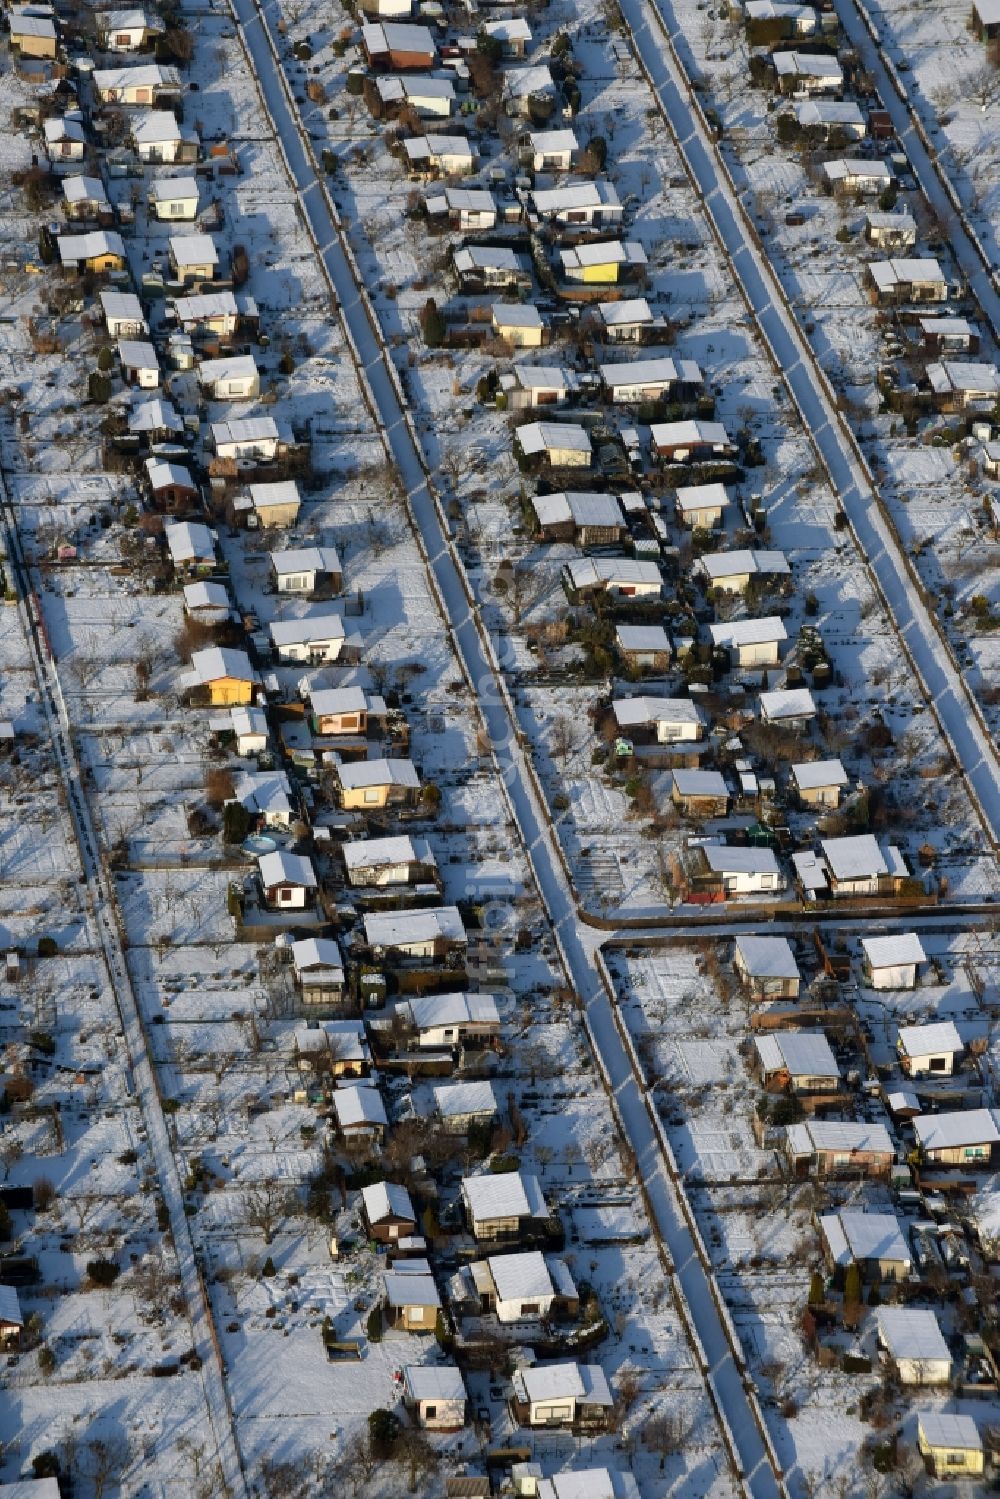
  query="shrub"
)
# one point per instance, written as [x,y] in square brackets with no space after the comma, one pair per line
[98,388]
[432,324]
[46,1360]
[236,822]
[46,1465]
[373,1327]
[102,1272]
[105,360]
[43,1042]
[286,363]
[268,1268]
[47,947]
[43,1194]
[383,1429]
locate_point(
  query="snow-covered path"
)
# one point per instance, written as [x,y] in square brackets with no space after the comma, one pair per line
[733,1396]
[925,170]
[944,686]
[101,900]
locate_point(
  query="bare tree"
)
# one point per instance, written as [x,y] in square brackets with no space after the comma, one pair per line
[11,1151]
[419,1457]
[665,1434]
[355,1464]
[265,1206]
[104,1461]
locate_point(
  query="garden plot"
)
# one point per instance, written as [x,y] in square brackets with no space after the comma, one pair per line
[157,1428]
[951,83]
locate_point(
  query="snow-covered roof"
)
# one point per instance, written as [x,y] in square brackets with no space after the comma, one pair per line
[855,858]
[633,310]
[649,372]
[436,147]
[222,661]
[828,111]
[10,1307]
[397,36]
[489,258]
[137,354]
[310,953]
[305,560]
[237,366]
[929,1040]
[387,1200]
[452,1100]
[274,494]
[84,190]
[401,928]
[642,638]
[510,1194]
[909,1332]
[701,497]
[545,377]
[599,194]
[154,414]
[954,1130]
[128,20]
[358,1103]
[964,375]
[847,1135]
[516,315]
[189,540]
[891,952]
[282,868]
[812,775]
[24,23]
[551,142]
[807,65]
[949,1428]
[307,630]
[615,572]
[856,1236]
[416,88]
[357,774]
[209,304]
[633,712]
[520,1277]
[403,1289]
[266,792]
[122,305]
[158,127]
[75,247]
[700,783]
[330,700]
[800,1053]
[163,475]
[204,595]
[65,129]
[434,1382]
[365,853]
[175,189]
[740,632]
[429,1011]
[722,859]
[787,702]
[586,1383]
[544,437]
[857,169]
[767,957]
[921,270]
[588,1483]
[578,506]
[138,76]
[608,252]
[742,561]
